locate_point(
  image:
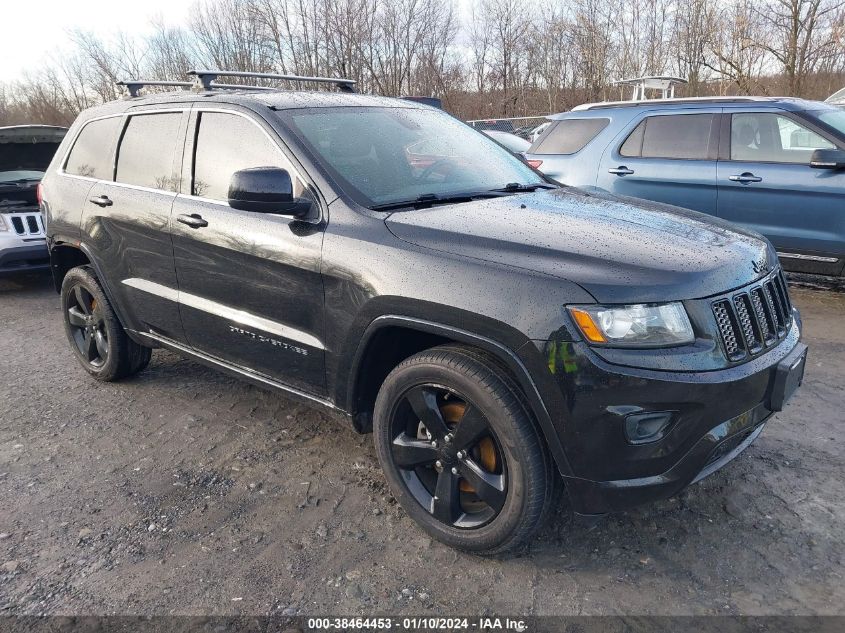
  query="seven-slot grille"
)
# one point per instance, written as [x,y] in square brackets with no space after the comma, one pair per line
[30,224]
[754,318]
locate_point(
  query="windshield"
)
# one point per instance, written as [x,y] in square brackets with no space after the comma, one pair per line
[20,175]
[388,155]
[834,118]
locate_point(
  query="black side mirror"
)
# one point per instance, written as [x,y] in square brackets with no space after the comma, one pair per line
[266,190]
[828,159]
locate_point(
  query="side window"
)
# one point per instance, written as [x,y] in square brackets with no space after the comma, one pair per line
[146,154]
[633,145]
[91,155]
[772,138]
[569,136]
[682,136]
[227,143]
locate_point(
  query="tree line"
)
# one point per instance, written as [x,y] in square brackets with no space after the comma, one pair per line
[485,59]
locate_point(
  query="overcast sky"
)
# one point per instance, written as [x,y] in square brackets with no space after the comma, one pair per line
[31,30]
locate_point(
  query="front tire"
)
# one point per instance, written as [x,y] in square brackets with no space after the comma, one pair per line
[96,336]
[460,451]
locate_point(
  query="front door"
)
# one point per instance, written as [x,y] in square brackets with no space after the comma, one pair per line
[767,184]
[665,157]
[250,288]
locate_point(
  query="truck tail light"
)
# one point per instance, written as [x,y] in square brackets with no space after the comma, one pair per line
[39,193]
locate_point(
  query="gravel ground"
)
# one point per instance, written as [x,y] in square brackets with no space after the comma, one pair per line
[184,491]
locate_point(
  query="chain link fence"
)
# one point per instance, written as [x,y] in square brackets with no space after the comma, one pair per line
[527,127]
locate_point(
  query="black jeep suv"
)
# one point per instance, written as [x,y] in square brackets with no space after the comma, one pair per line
[377,257]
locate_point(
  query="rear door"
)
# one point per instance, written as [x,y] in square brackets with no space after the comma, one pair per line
[250,287]
[126,221]
[667,157]
[90,159]
[766,184]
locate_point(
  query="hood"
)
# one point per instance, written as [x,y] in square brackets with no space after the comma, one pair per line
[28,147]
[621,250]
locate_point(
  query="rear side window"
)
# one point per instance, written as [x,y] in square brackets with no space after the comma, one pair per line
[685,136]
[227,143]
[91,155]
[147,150]
[569,136]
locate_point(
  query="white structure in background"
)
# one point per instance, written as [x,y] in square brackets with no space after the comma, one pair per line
[665,84]
[837,98]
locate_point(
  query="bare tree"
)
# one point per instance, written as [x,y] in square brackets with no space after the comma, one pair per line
[693,31]
[736,52]
[593,37]
[800,34]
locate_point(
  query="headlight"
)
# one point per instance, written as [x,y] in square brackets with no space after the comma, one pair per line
[638,325]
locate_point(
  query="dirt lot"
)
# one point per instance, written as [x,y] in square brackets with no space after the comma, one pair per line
[183,491]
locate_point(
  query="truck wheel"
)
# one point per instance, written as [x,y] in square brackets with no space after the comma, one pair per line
[460,452]
[96,336]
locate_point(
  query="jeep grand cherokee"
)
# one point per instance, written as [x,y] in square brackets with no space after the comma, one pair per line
[376,257]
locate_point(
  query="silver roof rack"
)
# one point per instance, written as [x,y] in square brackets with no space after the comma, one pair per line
[134,85]
[205,79]
[664,83]
[658,102]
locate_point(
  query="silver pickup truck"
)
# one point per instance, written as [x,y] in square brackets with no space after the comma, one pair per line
[25,152]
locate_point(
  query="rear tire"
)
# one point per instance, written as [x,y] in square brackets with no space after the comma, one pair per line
[487,485]
[96,336]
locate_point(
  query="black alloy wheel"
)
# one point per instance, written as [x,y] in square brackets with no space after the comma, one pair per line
[96,335]
[460,450]
[88,328]
[448,456]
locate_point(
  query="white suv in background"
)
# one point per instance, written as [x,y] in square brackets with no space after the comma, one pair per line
[25,153]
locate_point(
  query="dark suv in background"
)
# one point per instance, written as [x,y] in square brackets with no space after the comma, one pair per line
[493,329]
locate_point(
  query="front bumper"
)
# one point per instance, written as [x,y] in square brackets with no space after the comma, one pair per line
[715,415]
[21,259]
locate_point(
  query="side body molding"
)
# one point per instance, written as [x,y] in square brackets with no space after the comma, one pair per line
[229,313]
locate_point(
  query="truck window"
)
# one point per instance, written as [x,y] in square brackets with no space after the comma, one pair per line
[227,143]
[770,138]
[92,153]
[146,153]
[568,136]
[682,136]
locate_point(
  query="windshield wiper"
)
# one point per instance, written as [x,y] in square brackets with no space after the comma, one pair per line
[430,199]
[516,187]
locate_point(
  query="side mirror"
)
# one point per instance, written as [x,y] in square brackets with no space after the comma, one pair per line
[828,159]
[266,190]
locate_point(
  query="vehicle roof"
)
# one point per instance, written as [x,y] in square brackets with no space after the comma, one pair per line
[32,133]
[787,103]
[32,126]
[275,99]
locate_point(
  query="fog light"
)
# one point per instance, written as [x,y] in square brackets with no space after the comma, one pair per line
[642,428]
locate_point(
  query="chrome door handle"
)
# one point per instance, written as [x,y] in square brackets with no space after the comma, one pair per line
[621,171]
[194,220]
[745,177]
[102,201]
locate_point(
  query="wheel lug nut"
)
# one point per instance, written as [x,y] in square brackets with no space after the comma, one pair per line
[448,438]
[438,464]
[434,444]
[454,471]
[462,454]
